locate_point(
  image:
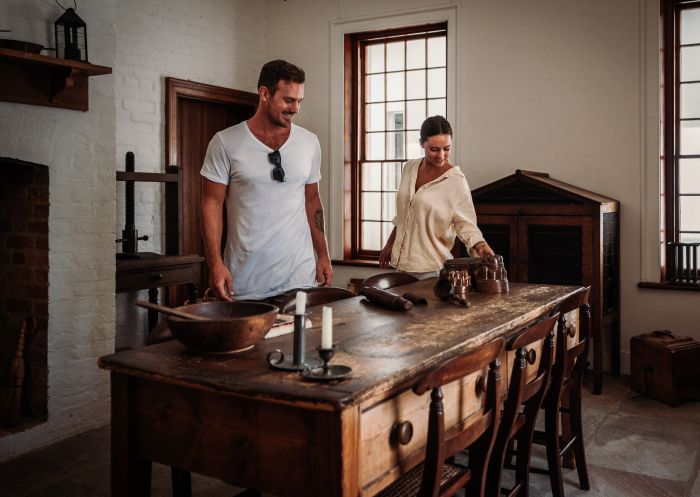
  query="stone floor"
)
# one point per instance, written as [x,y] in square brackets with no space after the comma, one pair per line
[635,447]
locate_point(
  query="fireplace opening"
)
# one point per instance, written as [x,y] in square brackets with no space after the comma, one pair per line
[24,273]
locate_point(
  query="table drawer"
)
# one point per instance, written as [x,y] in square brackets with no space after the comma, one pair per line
[155,278]
[571,321]
[382,458]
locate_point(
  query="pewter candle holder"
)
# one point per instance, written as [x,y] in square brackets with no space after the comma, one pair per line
[327,372]
[298,360]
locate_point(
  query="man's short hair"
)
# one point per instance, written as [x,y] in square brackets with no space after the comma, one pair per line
[279,70]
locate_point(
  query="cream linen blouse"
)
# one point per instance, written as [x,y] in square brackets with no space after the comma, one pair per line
[427,220]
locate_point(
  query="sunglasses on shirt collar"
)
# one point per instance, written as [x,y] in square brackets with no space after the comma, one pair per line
[276,160]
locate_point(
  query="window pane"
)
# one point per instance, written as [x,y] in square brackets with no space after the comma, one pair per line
[690,137]
[374,117]
[386,231]
[371,239]
[374,58]
[394,86]
[391,175]
[690,26]
[437,51]
[374,146]
[690,100]
[371,205]
[690,238]
[690,213]
[690,63]
[437,87]
[395,145]
[413,148]
[388,206]
[415,114]
[415,54]
[689,175]
[371,176]
[394,116]
[374,88]
[415,84]
[437,107]
[395,56]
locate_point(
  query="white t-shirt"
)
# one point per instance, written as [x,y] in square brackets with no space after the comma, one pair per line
[268,246]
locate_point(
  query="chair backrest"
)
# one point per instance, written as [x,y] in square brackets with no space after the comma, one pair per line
[478,432]
[570,361]
[389,280]
[521,391]
[314,296]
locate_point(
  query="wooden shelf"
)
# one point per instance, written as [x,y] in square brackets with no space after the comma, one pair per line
[40,80]
[151,177]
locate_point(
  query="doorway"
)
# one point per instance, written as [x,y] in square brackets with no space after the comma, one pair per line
[194,113]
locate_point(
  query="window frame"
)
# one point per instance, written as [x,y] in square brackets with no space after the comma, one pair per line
[671,129]
[353,133]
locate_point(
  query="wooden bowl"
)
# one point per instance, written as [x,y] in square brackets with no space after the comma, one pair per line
[230,326]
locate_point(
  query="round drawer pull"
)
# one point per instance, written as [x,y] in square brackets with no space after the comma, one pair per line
[531,356]
[157,277]
[402,432]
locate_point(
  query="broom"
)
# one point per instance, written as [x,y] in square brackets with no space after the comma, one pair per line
[11,390]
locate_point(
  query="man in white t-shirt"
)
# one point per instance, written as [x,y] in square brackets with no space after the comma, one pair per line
[266,170]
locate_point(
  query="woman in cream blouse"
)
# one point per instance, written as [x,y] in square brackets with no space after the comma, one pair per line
[433,205]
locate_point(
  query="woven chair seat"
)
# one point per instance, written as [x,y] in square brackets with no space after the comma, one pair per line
[409,483]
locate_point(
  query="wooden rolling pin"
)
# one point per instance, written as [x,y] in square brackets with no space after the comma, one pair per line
[386,299]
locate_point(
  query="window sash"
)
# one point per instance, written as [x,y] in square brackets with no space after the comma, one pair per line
[681,141]
[377,144]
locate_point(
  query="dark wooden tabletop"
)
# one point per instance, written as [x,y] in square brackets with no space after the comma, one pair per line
[385,348]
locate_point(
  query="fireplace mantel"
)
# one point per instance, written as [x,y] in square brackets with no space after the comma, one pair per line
[40,80]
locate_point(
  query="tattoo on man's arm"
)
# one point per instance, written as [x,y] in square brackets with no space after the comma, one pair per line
[318,218]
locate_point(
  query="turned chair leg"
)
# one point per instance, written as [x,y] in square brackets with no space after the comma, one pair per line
[553,449]
[566,431]
[579,452]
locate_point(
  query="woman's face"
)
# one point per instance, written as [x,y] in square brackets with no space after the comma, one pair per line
[437,150]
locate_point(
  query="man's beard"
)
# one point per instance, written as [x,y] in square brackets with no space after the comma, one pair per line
[279,122]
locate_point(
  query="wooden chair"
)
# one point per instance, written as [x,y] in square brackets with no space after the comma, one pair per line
[389,280]
[522,405]
[320,295]
[563,431]
[435,477]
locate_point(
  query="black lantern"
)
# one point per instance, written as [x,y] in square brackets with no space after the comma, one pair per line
[71,36]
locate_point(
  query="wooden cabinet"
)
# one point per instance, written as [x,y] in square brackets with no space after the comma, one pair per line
[552,232]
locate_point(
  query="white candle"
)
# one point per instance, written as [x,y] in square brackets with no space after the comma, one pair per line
[327,328]
[300,303]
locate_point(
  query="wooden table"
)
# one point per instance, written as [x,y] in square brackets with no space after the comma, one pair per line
[232,417]
[152,274]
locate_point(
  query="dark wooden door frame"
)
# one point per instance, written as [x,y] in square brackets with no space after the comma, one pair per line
[176,89]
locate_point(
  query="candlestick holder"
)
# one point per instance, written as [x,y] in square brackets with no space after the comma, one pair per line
[297,361]
[326,372]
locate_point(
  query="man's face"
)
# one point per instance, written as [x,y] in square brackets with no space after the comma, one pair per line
[281,107]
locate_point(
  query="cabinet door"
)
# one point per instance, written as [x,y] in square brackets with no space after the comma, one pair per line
[501,232]
[555,249]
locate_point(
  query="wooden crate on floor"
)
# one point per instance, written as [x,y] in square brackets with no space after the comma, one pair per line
[665,367]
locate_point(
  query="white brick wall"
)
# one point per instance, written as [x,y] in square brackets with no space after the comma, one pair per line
[79,149]
[219,42]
